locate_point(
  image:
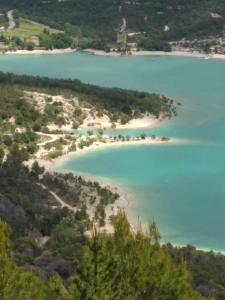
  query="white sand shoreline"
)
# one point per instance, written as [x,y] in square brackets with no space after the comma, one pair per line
[116,54]
[157,53]
[101,146]
[40,52]
[49,165]
[138,123]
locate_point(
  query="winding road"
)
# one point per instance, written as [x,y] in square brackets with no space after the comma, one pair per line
[12,22]
[124,25]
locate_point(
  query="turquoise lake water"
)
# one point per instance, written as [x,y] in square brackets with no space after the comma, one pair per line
[181,186]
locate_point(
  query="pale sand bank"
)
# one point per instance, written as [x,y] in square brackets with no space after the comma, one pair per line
[158,53]
[147,121]
[51,164]
[54,51]
[131,53]
[101,146]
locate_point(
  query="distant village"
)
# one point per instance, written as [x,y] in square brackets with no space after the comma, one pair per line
[209,45]
[127,42]
[215,44]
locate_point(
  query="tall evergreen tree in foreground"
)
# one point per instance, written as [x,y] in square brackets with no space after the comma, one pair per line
[125,265]
[130,265]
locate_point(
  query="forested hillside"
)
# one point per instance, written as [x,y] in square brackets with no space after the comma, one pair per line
[119,104]
[121,266]
[155,21]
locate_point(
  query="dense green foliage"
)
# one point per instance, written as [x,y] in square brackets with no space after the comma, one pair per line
[27,204]
[33,215]
[121,266]
[207,269]
[14,283]
[130,265]
[120,103]
[96,22]
[13,106]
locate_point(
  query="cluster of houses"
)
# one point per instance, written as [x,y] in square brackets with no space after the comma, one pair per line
[208,45]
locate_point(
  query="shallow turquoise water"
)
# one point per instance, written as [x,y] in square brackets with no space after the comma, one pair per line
[181,186]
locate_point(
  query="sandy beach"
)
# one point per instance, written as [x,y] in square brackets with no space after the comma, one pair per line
[50,164]
[147,121]
[117,54]
[157,53]
[38,52]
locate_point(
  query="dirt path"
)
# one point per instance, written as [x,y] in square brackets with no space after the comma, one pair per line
[124,25]
[53,138]
[12,22]
[59,199]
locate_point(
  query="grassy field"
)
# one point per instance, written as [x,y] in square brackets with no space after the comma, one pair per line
[28,29]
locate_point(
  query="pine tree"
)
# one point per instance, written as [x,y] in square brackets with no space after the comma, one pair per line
[123,266]
[94,281]
[130,266]
[15,283]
